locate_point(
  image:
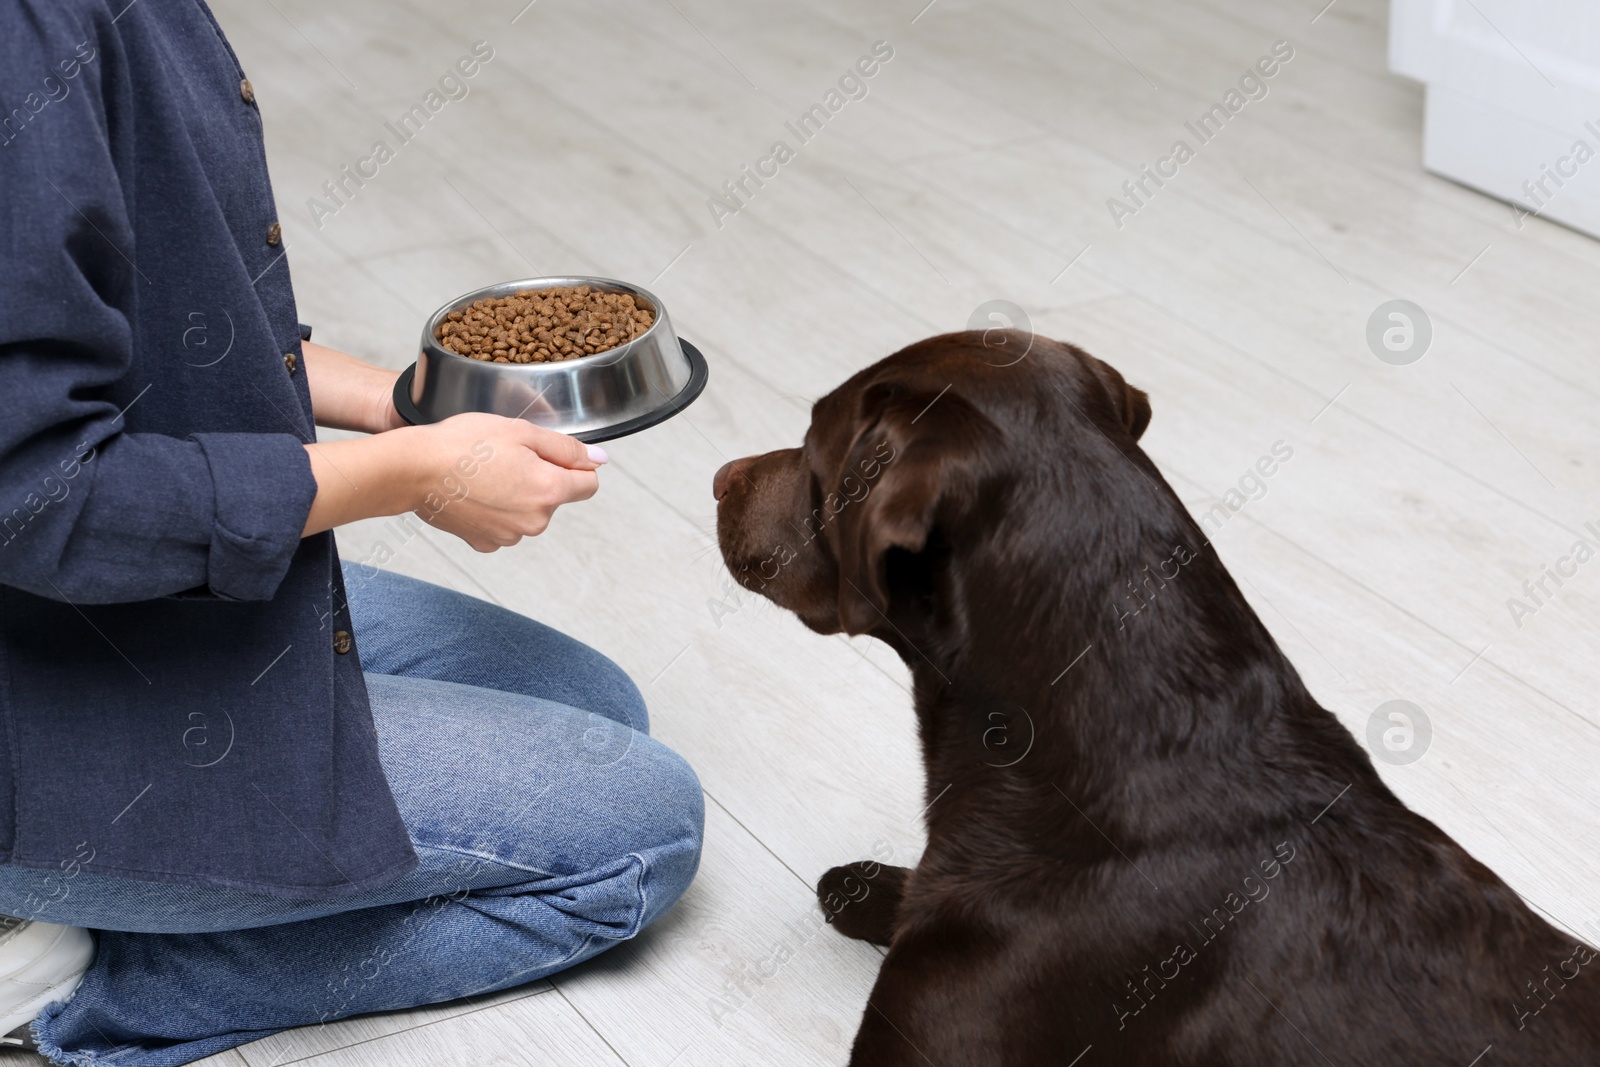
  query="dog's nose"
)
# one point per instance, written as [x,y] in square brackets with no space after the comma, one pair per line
[719,481]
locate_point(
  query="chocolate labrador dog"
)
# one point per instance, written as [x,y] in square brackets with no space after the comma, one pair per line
[1147,843]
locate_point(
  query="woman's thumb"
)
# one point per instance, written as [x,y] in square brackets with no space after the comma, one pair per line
[564,451]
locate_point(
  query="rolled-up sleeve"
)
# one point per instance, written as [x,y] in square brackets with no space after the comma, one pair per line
[263,491]
[89,512]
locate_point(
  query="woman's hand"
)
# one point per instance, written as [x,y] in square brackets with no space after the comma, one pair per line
[349,393]
[487,479]
[503,478]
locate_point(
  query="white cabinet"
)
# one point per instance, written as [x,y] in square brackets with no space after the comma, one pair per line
[1513,98]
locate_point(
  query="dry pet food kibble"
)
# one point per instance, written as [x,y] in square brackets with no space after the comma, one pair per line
[544,325]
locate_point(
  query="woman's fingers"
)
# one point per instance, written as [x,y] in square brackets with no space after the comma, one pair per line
[527,473]
[486,545]
[577,485]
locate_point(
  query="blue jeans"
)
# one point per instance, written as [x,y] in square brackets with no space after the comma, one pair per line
[550,827]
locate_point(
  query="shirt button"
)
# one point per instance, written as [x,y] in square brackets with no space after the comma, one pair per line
[290,361]
[341,641]
[274,234]
[247,93]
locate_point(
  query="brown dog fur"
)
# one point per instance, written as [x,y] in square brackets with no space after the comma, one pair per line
[1193,864]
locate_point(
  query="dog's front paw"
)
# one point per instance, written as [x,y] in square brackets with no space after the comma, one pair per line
[861,899]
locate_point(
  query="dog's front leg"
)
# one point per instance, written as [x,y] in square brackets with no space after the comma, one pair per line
[942,998]
[881,1042]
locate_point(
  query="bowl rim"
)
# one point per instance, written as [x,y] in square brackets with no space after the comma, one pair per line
[433,349]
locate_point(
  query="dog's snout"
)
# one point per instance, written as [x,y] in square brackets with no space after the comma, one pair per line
[719,481]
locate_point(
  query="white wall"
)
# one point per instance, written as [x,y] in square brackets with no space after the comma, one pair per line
[1513,98]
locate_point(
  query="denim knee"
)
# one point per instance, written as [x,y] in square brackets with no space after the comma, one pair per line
[616,696]
[681,803]
[657,846]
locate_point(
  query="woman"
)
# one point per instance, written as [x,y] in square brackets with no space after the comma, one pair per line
[280,790]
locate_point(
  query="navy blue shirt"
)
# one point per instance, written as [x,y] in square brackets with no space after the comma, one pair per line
[179,691]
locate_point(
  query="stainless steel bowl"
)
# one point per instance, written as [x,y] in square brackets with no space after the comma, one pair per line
[594,398]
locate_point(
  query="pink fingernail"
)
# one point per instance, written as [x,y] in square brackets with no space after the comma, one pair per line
[598,454]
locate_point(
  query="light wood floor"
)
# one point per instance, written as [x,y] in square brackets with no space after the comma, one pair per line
[1418,499]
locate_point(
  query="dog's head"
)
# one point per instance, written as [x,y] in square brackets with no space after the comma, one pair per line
[886,520]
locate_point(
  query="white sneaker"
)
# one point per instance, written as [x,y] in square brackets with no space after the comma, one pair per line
[40,963]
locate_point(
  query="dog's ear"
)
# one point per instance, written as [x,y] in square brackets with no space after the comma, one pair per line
[1131,405]
[914,464]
